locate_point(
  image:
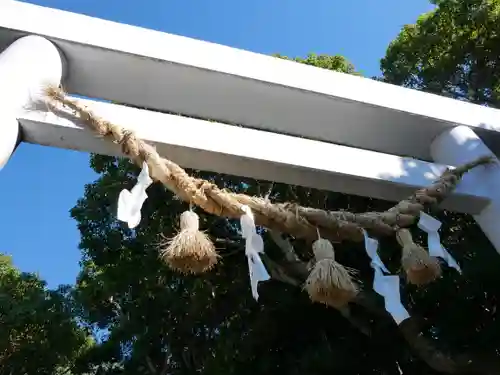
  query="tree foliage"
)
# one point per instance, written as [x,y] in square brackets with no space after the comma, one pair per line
[336,63]
[38,331]
[453,50]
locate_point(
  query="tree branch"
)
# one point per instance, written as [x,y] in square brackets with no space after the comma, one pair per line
[285,246]
[294,273]
[277,272]
[293,266]
[151,367]
[165,366]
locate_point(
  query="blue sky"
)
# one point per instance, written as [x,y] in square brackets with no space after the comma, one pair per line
[40,185]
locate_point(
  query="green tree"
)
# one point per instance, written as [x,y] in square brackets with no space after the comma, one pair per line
[453,50]
[336,62]
[160,322]
[38,332]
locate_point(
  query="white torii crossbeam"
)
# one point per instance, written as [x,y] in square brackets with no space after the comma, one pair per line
[297,124]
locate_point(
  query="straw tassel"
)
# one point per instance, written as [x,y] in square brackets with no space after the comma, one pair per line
[419,266]
[330,282]
[190,251]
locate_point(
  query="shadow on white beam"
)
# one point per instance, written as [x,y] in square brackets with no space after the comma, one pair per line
[160,71]
[252,153]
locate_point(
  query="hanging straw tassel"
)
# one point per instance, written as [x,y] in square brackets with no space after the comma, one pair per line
[330,282]
[190,251]
[419,266]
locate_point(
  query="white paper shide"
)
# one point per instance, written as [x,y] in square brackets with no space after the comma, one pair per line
[385,285]
[130,202]
[431,226]
[254,245]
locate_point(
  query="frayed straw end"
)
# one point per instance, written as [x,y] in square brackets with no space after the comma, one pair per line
[190,252]
[331,283]
[54,93]
[420,267]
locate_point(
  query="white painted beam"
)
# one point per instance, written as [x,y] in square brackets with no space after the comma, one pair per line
[155,70]
[252,153]
[25,66]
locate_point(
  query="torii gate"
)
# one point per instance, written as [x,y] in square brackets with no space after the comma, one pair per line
[299,124]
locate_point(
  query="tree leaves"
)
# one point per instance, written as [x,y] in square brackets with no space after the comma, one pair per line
[38,332]
[452,50]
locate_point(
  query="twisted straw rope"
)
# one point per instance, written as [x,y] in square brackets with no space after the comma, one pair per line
[299,221]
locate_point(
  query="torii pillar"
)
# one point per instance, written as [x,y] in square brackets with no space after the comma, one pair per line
[461,145]
[25,67]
